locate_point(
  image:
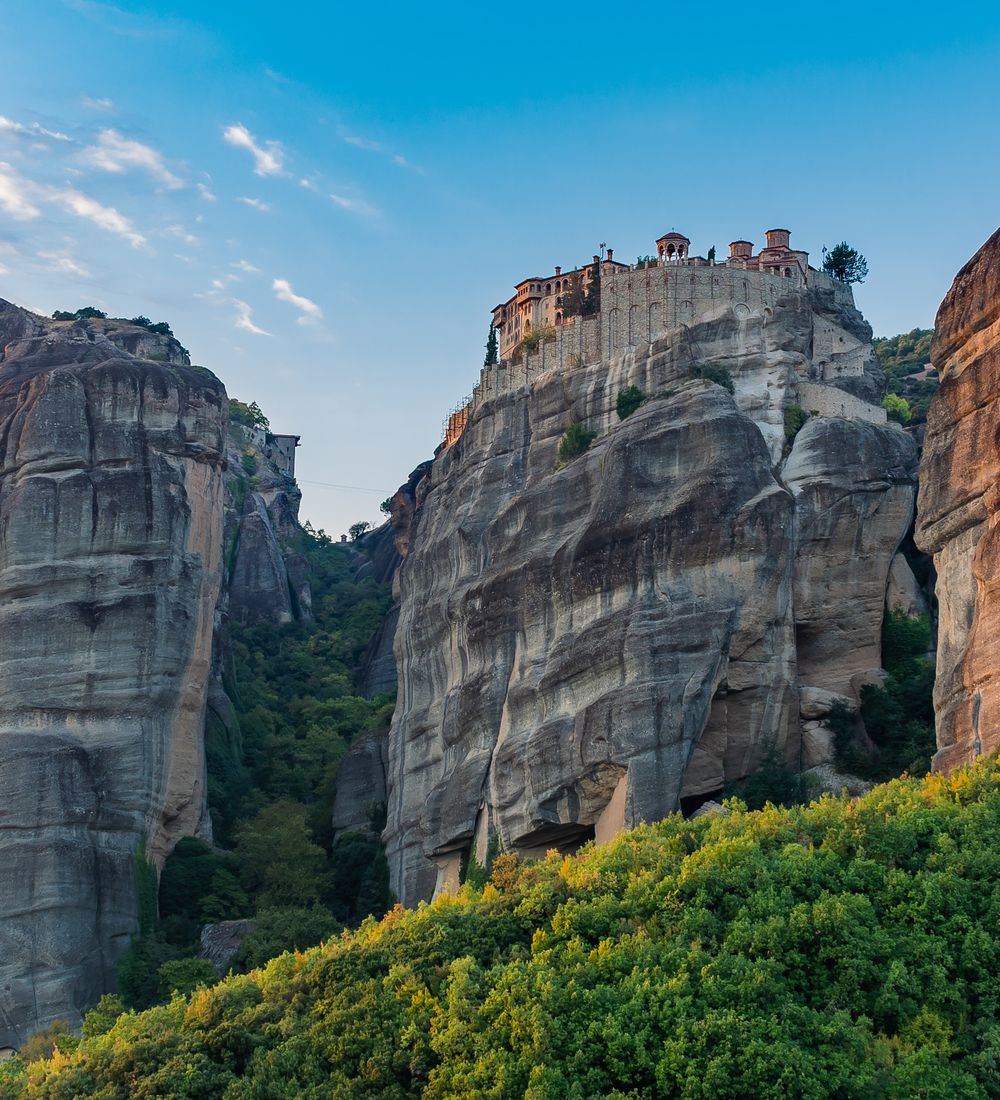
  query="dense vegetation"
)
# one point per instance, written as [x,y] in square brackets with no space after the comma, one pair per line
[161,328]
[904,358]
[271,771]
[844,949]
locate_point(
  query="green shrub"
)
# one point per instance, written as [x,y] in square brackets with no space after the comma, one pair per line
[795,418]
[774,780]
[101,1018]
[185,976]
[285,928]
[897,408]
[576,439]
[249,462]
[714,372]
[628,401]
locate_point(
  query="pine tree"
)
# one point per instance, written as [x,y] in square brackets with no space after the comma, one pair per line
[491,347]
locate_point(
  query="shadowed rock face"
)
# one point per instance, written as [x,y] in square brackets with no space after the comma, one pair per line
[959,507]
[111,514]
[580,649]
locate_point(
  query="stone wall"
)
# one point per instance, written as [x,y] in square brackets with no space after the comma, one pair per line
[823,400]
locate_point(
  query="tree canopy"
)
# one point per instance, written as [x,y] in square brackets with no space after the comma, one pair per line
[842,949]
[846,263]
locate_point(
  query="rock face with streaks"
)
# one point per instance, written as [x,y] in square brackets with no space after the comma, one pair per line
[111,540]
[585,646]
[959,510]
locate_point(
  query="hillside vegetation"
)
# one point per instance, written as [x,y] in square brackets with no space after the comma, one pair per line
[844,949]
[905,359]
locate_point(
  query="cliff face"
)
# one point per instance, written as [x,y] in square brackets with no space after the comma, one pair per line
[959,509]
[582,649]
[111,506]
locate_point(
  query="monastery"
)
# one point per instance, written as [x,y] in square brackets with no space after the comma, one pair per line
[607,308]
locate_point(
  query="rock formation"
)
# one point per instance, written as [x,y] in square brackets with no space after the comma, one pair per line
[111,506]
[586,647]
[959,509]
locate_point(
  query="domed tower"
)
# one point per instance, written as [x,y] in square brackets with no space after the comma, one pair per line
[672,247]
[777,238]
[740,250]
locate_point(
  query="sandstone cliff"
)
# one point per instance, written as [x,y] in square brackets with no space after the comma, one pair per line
[111,505]
[584,648]
[959,508]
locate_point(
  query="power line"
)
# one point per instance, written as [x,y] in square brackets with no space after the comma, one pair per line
[352,488]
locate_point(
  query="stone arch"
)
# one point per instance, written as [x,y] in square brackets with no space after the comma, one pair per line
[655,322]
[633,326]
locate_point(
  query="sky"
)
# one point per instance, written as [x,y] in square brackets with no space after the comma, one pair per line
[326,200]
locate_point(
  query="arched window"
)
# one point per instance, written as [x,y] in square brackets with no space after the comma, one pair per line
[788,272]
[558,318]
[548,288]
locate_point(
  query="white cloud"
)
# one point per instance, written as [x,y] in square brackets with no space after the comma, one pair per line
[371,146]
[245,265]
[268,158]
[257,204]
[356,206]
[244,319]
[105,217]
[180,233]
[116,153]
[8,125]
[306,306]
[14,199]
[64,263]
[308,185]
[206,192]
[97,104]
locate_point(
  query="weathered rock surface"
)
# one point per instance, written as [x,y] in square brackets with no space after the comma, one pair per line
[959,510]
[218,943]
[903,592]
[579,649]
[361,783]
[111,504]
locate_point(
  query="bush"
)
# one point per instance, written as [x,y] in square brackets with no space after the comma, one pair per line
[285,928]
[774,781]
[86,314]
[185,976]
[713,372]
[356,530]
[576,439]
[897,408]
[628,401]
[795,418]
[249,462]
[101,1018]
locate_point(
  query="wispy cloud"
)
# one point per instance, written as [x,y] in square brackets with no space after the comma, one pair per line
[310,311]
[308,185]
[371,146]
[268,158]
[14,191]
[8,125]
[64,263]
[245,265]
[97,104]
[104,217]
[257,204]
[127,24]
[116,153]
[244,319]
[180,233]
[356,206]
[206,192]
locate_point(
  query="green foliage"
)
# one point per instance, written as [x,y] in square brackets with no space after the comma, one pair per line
[356,530]
[628,401]
[846,264]
[161,328]
[711,255]
[536,336]
[248,416]
[645,261]
[898,408]
[278,860]
[905,359]
[795,418]
[774,781]
[102,1016]
[185,976]
[41,1045]
[714,372]
[575,440]
[139,969]
[899,715]
[491,347]
[285,928]
[386,507]
[86,314]
[248,460]
[841,949]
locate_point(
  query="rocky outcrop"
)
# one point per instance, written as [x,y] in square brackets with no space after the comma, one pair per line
[111,506]
[959,510]
[586,647]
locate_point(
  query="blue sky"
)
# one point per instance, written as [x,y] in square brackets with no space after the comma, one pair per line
[325,200]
